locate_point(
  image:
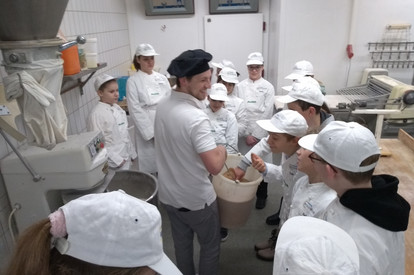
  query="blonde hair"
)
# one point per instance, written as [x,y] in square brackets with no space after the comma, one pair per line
[32,251]
[33,255]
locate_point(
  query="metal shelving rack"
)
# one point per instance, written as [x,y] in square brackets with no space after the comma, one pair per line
[395,51]
[392,54]
[70,82]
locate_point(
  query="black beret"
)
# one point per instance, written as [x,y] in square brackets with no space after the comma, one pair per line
[190,63]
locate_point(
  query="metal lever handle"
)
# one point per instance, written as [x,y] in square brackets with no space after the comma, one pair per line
[36,176]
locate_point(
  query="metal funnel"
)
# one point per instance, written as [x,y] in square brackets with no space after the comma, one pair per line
[30,19]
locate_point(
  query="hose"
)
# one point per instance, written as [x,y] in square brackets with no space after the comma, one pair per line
[15,208]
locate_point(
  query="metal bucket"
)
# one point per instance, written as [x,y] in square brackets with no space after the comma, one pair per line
[141,185]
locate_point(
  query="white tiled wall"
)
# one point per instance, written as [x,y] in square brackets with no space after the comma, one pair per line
[107,21]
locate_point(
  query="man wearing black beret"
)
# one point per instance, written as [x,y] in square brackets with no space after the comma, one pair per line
[186,154]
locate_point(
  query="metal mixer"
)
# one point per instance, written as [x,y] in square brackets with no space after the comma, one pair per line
[35,177]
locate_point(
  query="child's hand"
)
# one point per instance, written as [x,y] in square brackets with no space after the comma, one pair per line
[239,173]
[258,163]
[251,140]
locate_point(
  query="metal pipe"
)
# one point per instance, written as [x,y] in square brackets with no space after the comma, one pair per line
[79,40]
[67,45]
[36,176]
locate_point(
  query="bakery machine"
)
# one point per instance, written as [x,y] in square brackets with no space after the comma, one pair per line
[37,179]
[47,163]
[391,100]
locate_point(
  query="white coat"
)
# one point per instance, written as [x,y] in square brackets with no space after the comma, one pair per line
[143,92]
[237,106]
[310,199]
[224,128]
[259,99]
[289,174]
[112,122]
[381,251]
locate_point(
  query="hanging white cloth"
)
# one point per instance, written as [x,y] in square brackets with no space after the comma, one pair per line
[36,87]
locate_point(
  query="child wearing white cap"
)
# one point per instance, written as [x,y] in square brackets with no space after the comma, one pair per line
[285,128]
[229,78]
[109,118]
[307,99]
[309,245]
[144,90]
[223,125]
[304,97]
[367,206]
[224,63]
[258,95]
[310,195]
[105,233]
[223,122]
[304,68]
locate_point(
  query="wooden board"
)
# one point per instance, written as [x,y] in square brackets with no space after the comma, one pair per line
[401,165]
[405,138]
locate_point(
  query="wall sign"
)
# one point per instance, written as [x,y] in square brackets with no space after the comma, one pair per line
[169,7]
[233,6]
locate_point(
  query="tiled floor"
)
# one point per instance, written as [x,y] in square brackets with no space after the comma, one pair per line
[237,254]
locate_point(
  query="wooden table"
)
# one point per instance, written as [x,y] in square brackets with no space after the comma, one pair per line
[400,163]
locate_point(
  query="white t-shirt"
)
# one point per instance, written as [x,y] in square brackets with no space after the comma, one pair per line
[182,132]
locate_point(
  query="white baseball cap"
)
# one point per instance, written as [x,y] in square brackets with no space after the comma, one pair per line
[224,63]
[304,79]
[307,245]
[145,50]
[101,79]
[115,229]
[307,141]
[218,92]
[305,92]
[229,75]
[301,69]
[286,121]
[255,58]
[344,145]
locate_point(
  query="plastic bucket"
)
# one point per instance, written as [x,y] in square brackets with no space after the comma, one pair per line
[235,199]
[71,64]
[91,60]
[91,45]
[122,81]
[141,185]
